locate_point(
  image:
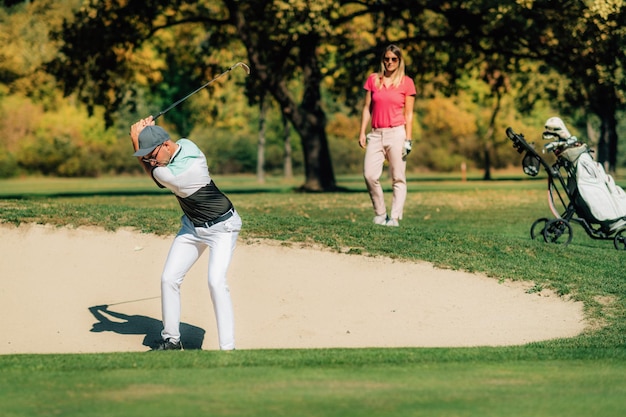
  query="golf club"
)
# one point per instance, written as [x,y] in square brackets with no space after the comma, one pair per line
[238,64]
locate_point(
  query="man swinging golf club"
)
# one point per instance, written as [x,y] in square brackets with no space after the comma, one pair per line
[209,220]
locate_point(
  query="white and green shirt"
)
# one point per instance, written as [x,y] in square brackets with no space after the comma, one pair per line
[187,176]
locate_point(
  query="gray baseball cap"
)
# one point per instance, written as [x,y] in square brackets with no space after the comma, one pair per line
[149,138]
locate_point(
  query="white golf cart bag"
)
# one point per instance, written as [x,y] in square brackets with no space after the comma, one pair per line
[586,195]
[599,199]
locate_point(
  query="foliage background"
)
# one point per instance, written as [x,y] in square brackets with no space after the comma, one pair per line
[45,133]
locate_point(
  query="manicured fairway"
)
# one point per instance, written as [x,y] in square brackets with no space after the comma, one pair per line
[474,226]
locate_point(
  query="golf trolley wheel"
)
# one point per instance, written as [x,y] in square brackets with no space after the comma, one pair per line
[538,227]
[619,241]
[557,231]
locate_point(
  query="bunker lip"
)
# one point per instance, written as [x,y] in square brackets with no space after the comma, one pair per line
[57,282]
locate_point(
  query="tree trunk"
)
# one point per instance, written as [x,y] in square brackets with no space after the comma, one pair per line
[287,159]
[605,107]
[487,156]
[311,122]
[260,153]
[592,135]
[607,145]
[307,118]
[490,135]
[318,168]
[603,148]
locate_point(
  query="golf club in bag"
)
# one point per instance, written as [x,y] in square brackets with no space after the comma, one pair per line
[238,64]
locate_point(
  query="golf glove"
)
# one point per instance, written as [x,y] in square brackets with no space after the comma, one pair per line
[406,150]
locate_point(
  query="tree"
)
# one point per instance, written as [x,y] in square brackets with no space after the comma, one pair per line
[287,40]
[24,35]
[583,41]
[598,38]
[278,41]
[332,42]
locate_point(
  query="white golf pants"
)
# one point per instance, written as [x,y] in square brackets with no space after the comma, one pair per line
[188,246]
[386,144]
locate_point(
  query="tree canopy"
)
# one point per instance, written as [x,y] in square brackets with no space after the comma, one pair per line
[490,62]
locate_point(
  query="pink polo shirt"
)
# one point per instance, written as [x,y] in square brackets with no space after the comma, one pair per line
[388,103]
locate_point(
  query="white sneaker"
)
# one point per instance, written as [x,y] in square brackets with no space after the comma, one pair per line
[381,220]
[392,222]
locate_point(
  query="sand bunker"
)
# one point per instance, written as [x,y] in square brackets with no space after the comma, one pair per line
[56,282]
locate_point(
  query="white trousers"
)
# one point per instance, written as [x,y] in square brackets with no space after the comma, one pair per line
[188,246]
[388,144]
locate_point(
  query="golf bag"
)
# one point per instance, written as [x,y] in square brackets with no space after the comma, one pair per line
[598,199]
[579,190]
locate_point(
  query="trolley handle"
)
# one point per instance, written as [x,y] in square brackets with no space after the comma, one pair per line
[519,142]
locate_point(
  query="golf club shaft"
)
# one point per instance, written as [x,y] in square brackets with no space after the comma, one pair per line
[238,64]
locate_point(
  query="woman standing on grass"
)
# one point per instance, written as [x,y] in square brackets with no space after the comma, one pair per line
[389,100]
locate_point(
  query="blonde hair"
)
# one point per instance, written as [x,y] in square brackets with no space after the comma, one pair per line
[398,76]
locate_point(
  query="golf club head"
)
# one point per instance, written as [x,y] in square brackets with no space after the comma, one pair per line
[245,67]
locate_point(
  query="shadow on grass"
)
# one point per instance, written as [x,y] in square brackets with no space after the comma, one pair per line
[191,336]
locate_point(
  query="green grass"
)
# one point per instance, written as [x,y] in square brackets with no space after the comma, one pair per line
[336,382]
[475,226]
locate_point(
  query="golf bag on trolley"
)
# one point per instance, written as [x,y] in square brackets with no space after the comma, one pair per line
[587,194]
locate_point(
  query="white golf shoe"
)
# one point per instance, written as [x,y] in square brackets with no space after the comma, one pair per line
[381,220]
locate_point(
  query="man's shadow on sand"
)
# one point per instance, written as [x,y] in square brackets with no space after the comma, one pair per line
[191,336]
